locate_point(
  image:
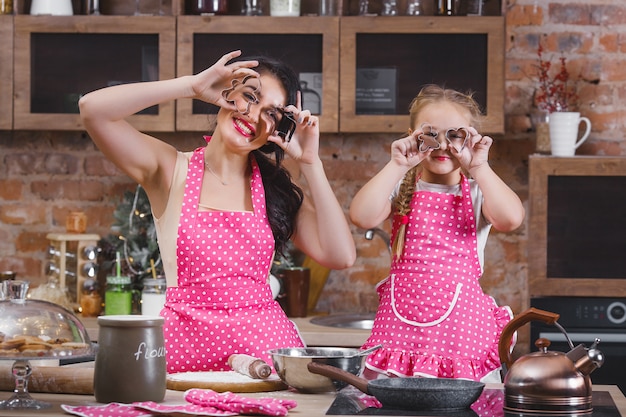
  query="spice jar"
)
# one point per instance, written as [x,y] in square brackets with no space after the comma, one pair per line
[153,296]
[90,299]
[118,297]
[209,7]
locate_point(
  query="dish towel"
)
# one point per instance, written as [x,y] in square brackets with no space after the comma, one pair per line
[200,402]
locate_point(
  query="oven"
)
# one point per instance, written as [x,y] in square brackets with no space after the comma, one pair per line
[584,319]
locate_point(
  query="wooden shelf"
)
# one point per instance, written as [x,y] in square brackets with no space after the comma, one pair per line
[6,72]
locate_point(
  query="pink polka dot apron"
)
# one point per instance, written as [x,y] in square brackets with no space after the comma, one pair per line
[223,303]
[433,318]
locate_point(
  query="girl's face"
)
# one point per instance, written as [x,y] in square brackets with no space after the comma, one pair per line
[440,166]
[258,103]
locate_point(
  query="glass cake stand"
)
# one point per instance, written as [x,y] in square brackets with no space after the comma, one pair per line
[35,330]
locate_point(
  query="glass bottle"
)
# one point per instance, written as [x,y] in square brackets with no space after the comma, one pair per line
[390,8]
[6,6]
[413,8]
[153,296]
[209,7]
[252,8]
[118,297]
[364,6]
[444,7]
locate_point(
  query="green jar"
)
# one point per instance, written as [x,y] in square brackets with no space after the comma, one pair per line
[118,297]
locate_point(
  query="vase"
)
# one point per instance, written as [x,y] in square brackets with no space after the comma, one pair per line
[539,120]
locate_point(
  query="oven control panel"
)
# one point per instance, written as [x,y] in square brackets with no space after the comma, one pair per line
[596,312]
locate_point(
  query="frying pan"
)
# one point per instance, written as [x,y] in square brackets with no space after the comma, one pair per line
[410,393]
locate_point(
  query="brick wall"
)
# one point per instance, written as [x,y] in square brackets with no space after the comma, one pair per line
[44,175]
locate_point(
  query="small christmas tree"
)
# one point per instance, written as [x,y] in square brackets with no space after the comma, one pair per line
[134,236]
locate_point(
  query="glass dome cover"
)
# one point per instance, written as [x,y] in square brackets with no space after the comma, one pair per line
[37,329]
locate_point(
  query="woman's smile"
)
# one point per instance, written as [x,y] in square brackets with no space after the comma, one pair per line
[244,127]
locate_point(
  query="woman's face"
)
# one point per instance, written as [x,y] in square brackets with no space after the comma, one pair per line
[440,166]
[258,112]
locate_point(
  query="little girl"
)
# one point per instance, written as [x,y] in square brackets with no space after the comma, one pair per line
[433,318]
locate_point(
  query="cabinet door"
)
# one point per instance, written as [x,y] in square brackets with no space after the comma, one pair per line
[310,45]
[386,60]
[57,59]
[6,72]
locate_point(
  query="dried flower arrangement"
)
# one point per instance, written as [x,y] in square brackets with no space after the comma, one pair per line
[554,93]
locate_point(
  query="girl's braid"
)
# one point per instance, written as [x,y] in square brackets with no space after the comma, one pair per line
[402,205]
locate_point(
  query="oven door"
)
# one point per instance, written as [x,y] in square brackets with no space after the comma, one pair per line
[612,345]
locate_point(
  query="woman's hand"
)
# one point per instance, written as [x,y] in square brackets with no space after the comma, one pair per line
[304,145]
[475,153]
[209,84]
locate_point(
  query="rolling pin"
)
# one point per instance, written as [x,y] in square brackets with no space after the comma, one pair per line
[52,379]
[249,365]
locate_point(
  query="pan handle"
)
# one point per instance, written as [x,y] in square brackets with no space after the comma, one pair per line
[333,372]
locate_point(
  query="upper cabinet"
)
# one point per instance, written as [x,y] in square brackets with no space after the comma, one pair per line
[6,72]
[310,45]
[386,60]
[59,58]
[359,73]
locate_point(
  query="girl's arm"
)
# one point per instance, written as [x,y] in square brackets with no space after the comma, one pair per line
[371,206]
[501,206]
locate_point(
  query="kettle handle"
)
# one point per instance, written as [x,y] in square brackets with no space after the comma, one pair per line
[504,345]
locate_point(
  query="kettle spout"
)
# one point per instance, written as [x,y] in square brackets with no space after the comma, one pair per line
[593,359]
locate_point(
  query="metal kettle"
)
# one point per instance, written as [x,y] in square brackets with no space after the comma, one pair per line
[547,382]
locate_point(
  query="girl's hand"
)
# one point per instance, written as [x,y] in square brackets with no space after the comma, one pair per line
[405,152]
[476,151]
[304,144]
[209,84]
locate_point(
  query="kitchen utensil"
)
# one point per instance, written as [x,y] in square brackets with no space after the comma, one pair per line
[554,383]
[291,366]
[52,379]
[223,381]
[410,393]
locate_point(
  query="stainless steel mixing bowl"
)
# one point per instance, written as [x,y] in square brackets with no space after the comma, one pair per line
[291,366]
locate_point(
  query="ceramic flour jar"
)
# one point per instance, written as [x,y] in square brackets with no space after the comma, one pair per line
[130,362]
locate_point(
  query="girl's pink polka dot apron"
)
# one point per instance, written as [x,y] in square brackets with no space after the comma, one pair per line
[223,303]
[433,318]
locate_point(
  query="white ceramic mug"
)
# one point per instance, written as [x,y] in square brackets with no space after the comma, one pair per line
[564,132]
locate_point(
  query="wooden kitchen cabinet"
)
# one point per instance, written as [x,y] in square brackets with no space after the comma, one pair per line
[59,58]
[309,44]
[576,225]
[386,60]
[6,72]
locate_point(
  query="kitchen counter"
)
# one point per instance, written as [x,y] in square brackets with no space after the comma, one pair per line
[312,334]
[309,405]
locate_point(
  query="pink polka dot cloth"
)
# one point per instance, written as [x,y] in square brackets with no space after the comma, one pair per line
[200,402]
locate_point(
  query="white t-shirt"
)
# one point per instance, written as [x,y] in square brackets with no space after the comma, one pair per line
[482,225]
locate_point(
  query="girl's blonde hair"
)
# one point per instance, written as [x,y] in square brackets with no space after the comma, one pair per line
[429,94]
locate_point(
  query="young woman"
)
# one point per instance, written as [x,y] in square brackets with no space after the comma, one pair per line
[224,209]
[433,317]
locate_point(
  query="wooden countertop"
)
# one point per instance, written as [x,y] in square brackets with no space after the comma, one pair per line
[312,334]
[309,405]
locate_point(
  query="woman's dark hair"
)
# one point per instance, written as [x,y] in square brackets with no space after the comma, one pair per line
[283,198]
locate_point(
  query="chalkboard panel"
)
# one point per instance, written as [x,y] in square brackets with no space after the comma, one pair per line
[586,227]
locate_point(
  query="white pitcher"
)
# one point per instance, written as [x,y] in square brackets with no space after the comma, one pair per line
[564,132]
